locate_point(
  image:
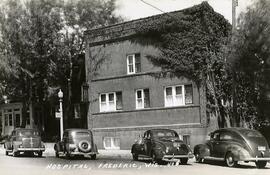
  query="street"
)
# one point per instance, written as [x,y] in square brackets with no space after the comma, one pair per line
[113,162]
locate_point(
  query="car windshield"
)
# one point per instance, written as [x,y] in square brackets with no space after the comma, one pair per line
[251,133]
[28,133]
[165,134]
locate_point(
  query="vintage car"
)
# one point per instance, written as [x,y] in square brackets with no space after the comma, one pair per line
[76,142]
[232,145]
[161,145]
[24,140]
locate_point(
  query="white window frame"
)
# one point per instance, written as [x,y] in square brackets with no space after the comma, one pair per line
[174,100]
[108,108]
[133,63]
[142,98]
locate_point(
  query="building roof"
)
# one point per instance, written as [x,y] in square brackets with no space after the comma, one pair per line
[122,31]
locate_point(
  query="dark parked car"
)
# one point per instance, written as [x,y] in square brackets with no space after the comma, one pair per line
[232,145]
[161,145]
[76,142]
[24,140]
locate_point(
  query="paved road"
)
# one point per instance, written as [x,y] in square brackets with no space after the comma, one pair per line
[112,163]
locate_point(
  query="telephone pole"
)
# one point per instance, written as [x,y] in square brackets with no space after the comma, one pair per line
[234,5]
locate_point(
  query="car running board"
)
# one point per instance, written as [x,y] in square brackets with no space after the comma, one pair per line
[213,158]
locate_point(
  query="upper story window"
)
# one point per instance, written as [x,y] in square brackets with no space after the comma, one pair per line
[178,95]
[142,98]
[133,63]
[111,101]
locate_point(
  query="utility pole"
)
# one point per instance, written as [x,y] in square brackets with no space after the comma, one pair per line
[234,5]
[235,116]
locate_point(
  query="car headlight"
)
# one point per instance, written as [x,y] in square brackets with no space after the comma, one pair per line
[167,149]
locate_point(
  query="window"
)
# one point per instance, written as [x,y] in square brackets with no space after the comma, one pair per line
[6,119]
[133,63]
[110,101]
[8,115]
[178,95]
[142,98]
[111,142]
[10,120]
[188,94]
[18,120]
[28,117]
[77,111]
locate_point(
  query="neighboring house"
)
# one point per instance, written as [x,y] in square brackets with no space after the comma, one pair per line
[11,117]
[126,99]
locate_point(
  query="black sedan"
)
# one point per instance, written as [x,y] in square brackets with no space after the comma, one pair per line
[161,145]
[232,145]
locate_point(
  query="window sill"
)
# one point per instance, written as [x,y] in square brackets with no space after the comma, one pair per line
[148,109]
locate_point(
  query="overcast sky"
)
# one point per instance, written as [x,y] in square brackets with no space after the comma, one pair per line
[134,9]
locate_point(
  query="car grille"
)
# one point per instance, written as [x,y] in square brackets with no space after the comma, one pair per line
[30,142]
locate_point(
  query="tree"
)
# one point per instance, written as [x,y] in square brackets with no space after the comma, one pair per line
[192,45]
[251,64]
[45,38]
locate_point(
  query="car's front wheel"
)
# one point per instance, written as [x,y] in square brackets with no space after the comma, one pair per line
[261,164]
[15,153]
[198,159]
[6,153]
[56,154]
[183,161]
[155,159]
[40,154]
[230,161]
[135,156]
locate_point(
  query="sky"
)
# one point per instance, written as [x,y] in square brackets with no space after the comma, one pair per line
[134,9]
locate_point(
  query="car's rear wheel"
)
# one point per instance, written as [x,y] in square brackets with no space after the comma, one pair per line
[183,161]
[93,157]
[230,161]
[135,156]
[261,164]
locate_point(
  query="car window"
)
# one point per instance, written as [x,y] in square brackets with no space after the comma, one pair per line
[216,136]
[82,134]
[164,133]
[225,136]
[28,133]
[251,133]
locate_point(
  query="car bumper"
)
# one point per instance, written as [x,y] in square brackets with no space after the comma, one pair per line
[174,157]
[82,153]
[256,159]
[30,149]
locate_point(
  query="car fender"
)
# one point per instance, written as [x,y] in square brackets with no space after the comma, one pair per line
[15,145]
[202,150]
[238,152]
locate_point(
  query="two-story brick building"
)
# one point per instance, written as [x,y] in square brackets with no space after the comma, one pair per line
[126,99]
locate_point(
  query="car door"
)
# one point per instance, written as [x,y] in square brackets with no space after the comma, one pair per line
[147,143]
[225,141]
[139,146]
[213,144]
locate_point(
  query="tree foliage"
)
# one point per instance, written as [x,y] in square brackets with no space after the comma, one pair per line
[45,38]
[250,60]
[191,44]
